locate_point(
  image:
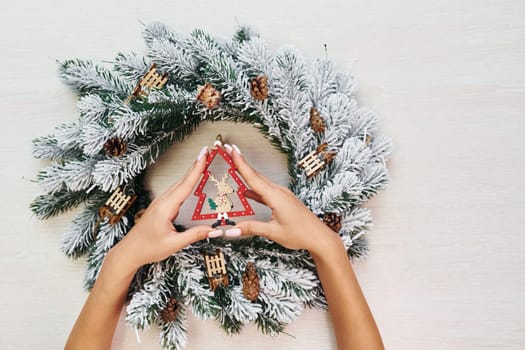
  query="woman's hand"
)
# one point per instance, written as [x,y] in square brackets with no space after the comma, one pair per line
[292,225]
[154,238]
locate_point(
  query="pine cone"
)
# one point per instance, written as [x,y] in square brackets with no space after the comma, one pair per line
[115,147]
[208,95]
[250,282]
[333,221]
[316,121]
[259,87]
[171,311]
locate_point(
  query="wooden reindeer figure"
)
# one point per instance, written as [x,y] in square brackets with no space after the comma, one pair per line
[221,204]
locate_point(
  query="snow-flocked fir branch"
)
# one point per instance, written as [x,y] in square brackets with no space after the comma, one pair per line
[145,307]
[80,235]
[131,66]
[107,236]
[85,77]
[48,205]
[82,172]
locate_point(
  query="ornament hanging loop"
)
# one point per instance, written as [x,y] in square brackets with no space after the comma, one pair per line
[218,140]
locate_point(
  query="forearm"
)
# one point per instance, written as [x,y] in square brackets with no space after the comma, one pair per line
[353,322]
[96,323]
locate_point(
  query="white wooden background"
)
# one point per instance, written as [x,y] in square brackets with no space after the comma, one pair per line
[446,268]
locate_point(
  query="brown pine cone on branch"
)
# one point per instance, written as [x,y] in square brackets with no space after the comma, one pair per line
[316,121]
[259,87]
[171,311]
[208,95]
[250,282]
[333,221]
[115,147]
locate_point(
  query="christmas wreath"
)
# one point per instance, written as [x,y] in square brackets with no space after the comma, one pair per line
[133,112]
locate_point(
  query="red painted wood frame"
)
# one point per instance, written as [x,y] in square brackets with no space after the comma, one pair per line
[247,209]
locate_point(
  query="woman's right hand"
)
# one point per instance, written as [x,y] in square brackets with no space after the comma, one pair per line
[292,225]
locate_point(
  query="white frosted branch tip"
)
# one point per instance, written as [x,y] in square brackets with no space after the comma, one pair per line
[91,188]
[137,336]
[358,235]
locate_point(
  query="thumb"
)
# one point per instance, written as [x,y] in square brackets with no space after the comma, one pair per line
[192,235]
[258,228]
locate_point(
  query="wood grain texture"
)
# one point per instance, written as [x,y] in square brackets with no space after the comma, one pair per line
[446,268]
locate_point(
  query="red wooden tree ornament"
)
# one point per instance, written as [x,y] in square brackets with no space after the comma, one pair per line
[221,204]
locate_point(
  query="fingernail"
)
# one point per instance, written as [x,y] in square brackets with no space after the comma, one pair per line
[203,151]
[228,149]
[214,233]
[233,232]
[237,149]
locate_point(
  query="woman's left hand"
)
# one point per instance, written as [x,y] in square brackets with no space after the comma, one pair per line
[154,238]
